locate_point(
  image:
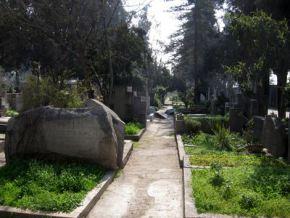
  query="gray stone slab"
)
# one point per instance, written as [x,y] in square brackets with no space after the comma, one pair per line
[128,148]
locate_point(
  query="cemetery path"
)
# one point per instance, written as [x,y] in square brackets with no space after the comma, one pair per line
[151,183]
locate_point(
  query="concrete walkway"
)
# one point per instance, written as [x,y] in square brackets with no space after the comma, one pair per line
[151,183]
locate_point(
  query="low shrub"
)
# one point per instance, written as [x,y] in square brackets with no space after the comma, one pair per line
[11,113]
[222,137]
[208,123]
[44,92]
[223,140]
[133,128]
[217,179]
[191,125]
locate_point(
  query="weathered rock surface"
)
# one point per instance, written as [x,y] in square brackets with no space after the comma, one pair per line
[273,136]
[94,134]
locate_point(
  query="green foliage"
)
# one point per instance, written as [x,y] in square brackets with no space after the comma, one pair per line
[11,113]
[159,94]
[222,136]
[208,123]
[133,128]
[249,202]
[191,125]
[44,92]
[206,152]
[248,133]
[207,143]
[237,195]
[262,44]
[217,179]
[39,185]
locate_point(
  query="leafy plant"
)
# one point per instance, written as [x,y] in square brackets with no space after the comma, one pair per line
[133,128]
[11,113]
[248,133]
[191,125]
[208,123]
[43,92]
[248,201]
[227,191]
[222,137]
[217,179]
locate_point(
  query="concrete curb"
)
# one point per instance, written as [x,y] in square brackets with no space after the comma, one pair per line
[126,156]
[180,148]
[189,209]
[135,137]
[82,211]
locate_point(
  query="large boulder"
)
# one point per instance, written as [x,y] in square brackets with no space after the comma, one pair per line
[274,137]
[94,134]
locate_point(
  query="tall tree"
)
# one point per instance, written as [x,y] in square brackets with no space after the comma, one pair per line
[191,45]
[89,39]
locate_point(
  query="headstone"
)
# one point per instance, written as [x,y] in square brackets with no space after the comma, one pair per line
[237,120]
[227,107]
[253,107]
[93,134]
[258,127]
[289,141]
[179,124]
[273,136]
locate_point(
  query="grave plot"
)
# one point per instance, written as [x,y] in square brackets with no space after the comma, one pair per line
[223,177]
[60,161]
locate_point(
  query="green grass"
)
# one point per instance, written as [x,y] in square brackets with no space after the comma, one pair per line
[53,187]
[253,185]
[133,128]
[208,123]
[231,159]
[248,191]
[207,143]
[11,113]
[205,152]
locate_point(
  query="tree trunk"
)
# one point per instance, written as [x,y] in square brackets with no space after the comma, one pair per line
[195,56]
